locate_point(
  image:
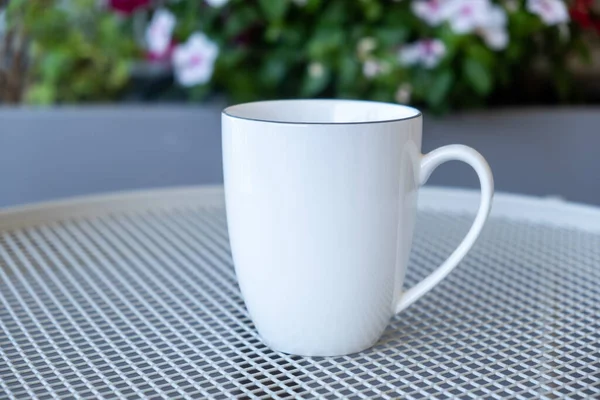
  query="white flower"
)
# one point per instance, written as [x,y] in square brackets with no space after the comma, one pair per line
[427,52]
[465,16]
[217,3]
[480,16]
[432,52]
[159,31]
[371,68]
[493,28]
[194,60]
[365,46]
[433,12]
[316,69]
[410,54]
[552,12]
[511,5]
[403,93]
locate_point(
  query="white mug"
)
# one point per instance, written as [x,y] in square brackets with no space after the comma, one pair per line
[321,202]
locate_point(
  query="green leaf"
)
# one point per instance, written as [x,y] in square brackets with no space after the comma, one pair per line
[273,71]
[315,83]
[391,36]
[478,76]
[372,10]
[381,94]
[440,86]
[198,92]
[562,82]
[400,17]
[452,41]
[242,87]
[108,29]
[232,58]
[349,69]
[119,74]
[16,5]
[311,5]
[481,54]
[293,36]
[583,51]
[524,24]
[274,10]
[273,32]
[334,14]
[240,21]
[325,41]
[41,94]
[53,64]
[514,52]
[421,81]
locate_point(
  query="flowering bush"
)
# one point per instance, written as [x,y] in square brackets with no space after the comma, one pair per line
[73,53]
[438,53]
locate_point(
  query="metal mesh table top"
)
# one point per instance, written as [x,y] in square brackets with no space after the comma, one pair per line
[135,296]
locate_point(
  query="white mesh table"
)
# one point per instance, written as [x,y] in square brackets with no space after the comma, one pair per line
[134,296]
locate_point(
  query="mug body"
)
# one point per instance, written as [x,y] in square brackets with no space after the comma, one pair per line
[321,202]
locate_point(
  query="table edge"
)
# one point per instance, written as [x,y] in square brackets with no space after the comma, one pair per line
[454,200]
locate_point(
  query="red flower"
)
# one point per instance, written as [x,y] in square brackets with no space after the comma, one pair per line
[582,13]
[164,57]
[127,6]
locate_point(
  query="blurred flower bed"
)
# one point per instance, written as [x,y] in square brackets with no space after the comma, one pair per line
[439,54]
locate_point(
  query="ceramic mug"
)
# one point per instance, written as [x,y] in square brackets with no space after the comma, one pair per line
[321,202]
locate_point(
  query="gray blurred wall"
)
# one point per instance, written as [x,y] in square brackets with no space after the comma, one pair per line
[55,153]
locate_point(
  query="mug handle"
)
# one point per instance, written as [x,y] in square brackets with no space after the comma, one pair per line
[430,162]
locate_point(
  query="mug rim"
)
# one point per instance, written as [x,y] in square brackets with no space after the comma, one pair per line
[228,111]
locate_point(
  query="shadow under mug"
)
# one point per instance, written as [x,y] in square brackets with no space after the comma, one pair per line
[321,200]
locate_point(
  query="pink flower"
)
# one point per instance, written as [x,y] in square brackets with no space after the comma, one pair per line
[371,68]
[194,60]
[433,12]
[582,12]
[552,12]
[217,3]
[162,57]
[465,16]
[127,6]
[427,52]
[493,28]
[159,34]
[480,16]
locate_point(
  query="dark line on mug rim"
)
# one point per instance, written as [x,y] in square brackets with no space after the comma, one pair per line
[416,115]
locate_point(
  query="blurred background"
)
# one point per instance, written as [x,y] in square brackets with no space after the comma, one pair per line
[99,96]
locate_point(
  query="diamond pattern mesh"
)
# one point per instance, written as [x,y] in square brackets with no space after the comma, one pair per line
[145,305]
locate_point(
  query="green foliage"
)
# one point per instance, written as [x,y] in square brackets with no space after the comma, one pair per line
[440,86]
[286,38]
[78,52]
[274,11]
[477,76]
[293,48]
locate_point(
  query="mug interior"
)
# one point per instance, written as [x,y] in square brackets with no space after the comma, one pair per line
[321,111]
